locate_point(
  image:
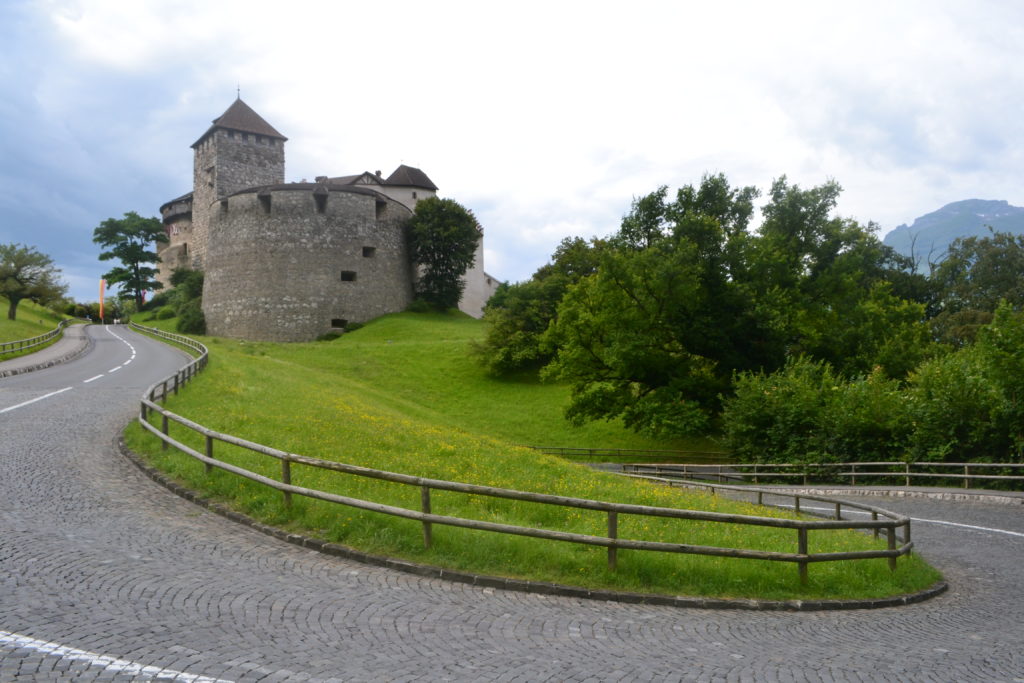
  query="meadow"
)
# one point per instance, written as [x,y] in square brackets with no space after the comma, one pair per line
[31,320]
[402,395]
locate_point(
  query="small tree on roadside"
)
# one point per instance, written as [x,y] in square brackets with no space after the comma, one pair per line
[443,237]
[26,273]
[129,240]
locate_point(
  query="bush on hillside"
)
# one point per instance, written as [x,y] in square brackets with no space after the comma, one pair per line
[190,318]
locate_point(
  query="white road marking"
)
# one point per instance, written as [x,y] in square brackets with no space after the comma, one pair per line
[112,664]
[114,369]
[923,521]
[38,398]
[91,379]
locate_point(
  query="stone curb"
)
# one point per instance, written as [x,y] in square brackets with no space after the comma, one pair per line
[70,355]
[520,585]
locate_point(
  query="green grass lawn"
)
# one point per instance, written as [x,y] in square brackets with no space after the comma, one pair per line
[402,395]
[31,320]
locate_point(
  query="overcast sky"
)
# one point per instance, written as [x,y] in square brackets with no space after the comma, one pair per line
[545,118]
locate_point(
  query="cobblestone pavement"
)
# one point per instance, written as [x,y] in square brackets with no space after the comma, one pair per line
[105,576]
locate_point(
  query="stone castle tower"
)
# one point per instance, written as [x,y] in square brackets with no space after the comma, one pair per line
[288,262]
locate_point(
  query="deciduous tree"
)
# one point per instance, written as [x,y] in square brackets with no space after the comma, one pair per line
[443,237]
[26,273]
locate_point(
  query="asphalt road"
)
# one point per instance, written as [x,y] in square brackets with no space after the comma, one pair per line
[105,576]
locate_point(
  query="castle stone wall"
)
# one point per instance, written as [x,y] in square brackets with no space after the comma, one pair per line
[281,266]
[226,162]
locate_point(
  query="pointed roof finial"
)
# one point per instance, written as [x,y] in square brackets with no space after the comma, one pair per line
[238,91]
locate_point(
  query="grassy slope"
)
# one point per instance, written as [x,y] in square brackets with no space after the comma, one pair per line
[32,321]
[400,395]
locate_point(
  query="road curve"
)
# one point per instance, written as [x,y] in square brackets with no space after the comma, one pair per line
[106,576]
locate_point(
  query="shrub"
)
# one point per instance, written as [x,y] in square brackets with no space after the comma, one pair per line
[165,313]
[190,318]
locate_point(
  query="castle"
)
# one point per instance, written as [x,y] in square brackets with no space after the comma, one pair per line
[291,261]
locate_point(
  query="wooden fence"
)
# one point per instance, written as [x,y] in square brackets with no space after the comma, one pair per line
[807,473]
[881,520]
[22,344]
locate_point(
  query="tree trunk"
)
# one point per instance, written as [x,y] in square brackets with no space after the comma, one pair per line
[12,308]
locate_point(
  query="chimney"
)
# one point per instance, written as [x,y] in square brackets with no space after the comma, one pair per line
[378,173]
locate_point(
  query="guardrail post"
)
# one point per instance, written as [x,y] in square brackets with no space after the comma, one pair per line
[613,533]
[286,478]
[796,504]
[425,507]
[967,473]
[176,375]
[874,518]
[801,536]
[760,498]
[163,395]
[907,471]
[209,453]
[142,411]
[755,479]
[163,428]
[839,511]
[906,532]
[853,474]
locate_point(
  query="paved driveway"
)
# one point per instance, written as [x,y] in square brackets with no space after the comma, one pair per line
[106,576]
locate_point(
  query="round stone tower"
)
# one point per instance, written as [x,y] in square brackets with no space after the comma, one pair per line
[291,262]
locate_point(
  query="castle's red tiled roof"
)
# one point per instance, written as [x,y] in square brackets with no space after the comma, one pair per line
[241,117]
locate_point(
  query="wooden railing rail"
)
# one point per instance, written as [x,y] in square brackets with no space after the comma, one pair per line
[22,344]
[807,472]
[881,519]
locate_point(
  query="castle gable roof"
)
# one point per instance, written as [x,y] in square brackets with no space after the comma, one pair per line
[407,176]
[241,117]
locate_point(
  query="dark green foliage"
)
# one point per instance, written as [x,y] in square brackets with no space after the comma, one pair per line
[443,237]
[807,413]
[190,318]
[519,314]
[977,273]
[129,240]
[685,296]
[165,313]
[26,273]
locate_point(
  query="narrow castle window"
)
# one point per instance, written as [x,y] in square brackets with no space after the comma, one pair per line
[381,206]
[414,194]
[245,137]
[338,323]
[231,134]
[265,202]
[223,206]
[369,252]
[321,202]
[348,276]
[259,139]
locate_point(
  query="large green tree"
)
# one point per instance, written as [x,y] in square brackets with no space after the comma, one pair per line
[26,273]
[687,295]
[976,274]
[443,237]
[130,241]
[518,315]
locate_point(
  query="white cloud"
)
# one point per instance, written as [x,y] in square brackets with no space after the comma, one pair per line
[547,118]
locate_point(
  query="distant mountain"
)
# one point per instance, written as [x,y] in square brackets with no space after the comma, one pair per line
[930,235]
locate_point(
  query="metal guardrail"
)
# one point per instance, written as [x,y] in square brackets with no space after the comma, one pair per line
[22,344]
[881,519]
[809,472]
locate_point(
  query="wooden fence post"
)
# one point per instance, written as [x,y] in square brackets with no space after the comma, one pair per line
[802,550]
[209,453]
[613,533]
[874,518]
[425,507]
[286,478]
[892,546]
[163,428]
